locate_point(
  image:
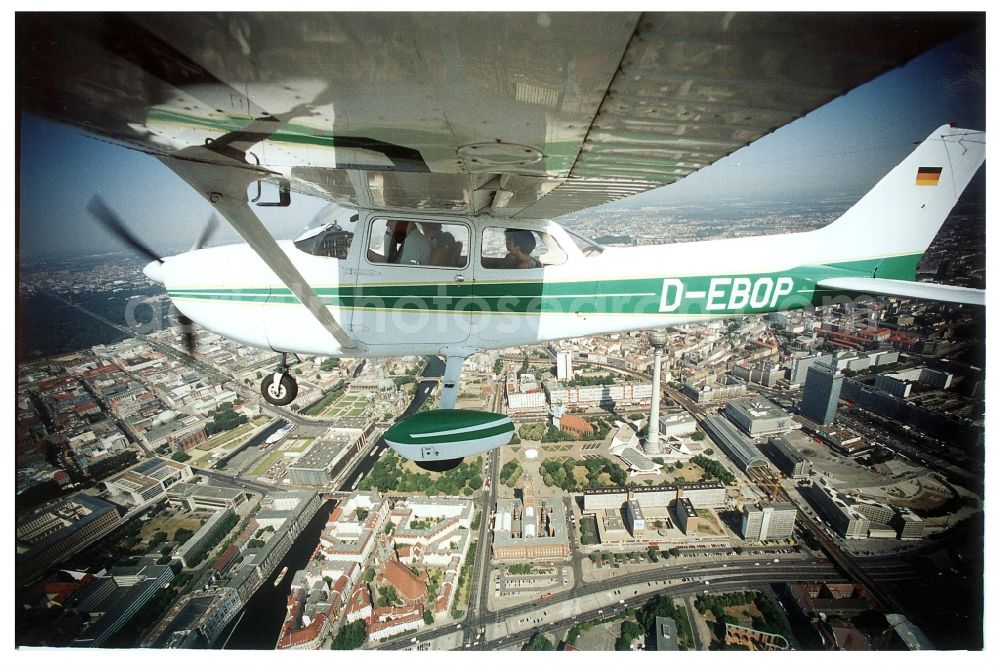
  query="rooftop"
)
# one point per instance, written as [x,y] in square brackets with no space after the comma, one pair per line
[756,408]
[732,440]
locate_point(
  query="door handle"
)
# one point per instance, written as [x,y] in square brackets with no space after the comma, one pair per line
[459,278]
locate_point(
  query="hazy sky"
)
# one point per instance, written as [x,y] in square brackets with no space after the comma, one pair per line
[843,147]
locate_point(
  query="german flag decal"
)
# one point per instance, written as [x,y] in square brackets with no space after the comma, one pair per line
[928,176]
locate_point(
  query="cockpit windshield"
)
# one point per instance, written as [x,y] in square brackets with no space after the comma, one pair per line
[586,246]
[329,233]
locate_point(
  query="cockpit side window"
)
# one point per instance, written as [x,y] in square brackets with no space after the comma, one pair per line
[520,249]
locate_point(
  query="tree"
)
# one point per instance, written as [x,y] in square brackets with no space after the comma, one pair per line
[387,596]
[369,575]
[538,642]
[428,617]
[630,631]
[657,606]
[351,636]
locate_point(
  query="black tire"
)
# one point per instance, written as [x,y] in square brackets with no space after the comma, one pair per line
[438,466]
[284,395]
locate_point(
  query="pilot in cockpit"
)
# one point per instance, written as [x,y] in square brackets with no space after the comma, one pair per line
[405,244]
[520,244]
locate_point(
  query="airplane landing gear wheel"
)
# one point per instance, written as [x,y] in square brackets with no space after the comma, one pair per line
[279,392]
[437,466]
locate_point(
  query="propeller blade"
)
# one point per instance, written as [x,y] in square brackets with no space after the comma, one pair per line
[187,331]
[113,223]
[206,233]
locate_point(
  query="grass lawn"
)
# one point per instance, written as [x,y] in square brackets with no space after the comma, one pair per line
[169,526]
[225,437]
[266,463]
[744,613]
[326,405]
[691,473]
[344,406]
[301,444]
[411,466]
[709,522]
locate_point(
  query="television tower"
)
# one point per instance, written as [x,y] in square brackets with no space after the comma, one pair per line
[651,446]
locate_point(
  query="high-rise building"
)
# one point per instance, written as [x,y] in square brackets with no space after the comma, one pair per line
[564,365]
[800,366]
[839,510]
[908,524]
[687,515]
[635,519]
[819,399]
[769,522]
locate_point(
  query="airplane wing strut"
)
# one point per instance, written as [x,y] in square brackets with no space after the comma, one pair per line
[904,289]
[224,186]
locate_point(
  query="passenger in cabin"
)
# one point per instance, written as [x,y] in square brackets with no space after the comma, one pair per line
[394,234]
[442,244]
[407,245]
[520,244]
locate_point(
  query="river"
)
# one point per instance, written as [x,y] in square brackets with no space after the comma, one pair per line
[258,627]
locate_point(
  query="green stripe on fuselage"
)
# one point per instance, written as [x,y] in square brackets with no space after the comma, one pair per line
[701,295]
[885,267]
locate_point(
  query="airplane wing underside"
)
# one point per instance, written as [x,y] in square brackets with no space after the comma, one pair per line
[529,115]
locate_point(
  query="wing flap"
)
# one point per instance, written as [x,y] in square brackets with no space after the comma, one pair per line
[903,289]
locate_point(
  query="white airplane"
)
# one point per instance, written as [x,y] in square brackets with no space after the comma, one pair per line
[454,139]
